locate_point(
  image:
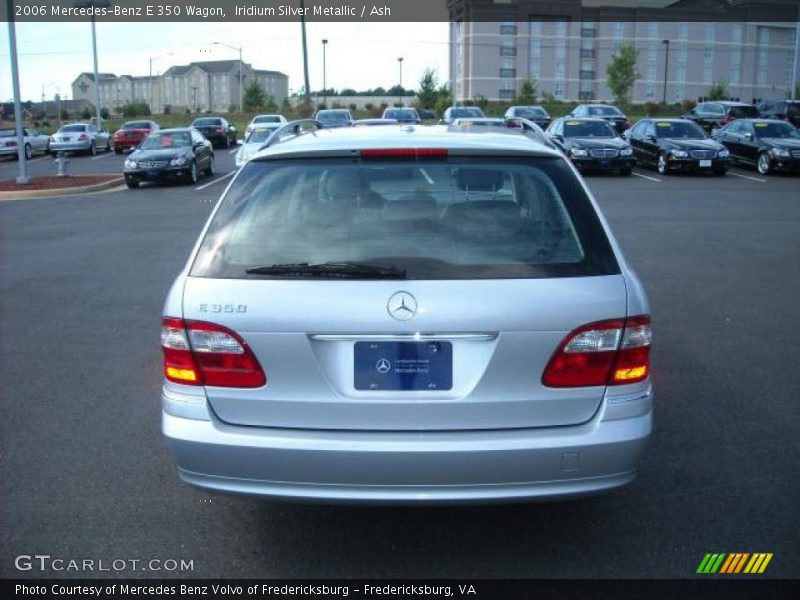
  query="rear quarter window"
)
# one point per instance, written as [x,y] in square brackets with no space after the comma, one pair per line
[463,218]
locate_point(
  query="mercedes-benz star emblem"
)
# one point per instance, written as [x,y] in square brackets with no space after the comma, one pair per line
[383,366]
[402,306]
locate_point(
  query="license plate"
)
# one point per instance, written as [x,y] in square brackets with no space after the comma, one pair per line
[66,138]
[152,174]
[605,163]
[403,366]
[705,163]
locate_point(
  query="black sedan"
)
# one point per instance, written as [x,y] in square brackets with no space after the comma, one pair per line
[217,130]
[765,144]
[537,114]
[170,154]
[607,112]
[677,145]
[592,144]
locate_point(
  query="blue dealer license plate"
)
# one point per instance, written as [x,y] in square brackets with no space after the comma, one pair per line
[403,366]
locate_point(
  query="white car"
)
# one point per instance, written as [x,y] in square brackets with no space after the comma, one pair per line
[80,137]
[34,142]
[254,141]
[261,120]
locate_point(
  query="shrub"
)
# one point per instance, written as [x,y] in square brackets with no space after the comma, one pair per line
[104,114]
[352,106]
[85,114]
[688,105]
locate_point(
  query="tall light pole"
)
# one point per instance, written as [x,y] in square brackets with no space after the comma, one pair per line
[796,53]
[400,90]
[305,52]
[22,176]
[666,68]
[152,109]
[239,48]
[324,74]
[95,4]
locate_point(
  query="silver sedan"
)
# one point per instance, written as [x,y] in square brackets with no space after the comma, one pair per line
[34,142]
[80,137]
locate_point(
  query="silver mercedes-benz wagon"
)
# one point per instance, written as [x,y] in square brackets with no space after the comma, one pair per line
[407,314]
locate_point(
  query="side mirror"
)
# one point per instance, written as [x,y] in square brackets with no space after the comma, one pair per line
[558,137]
[748,136]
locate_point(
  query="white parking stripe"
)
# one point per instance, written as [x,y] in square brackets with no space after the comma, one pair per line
[747,177]
[646,177]
[233,151]
[99,156]
[217,180]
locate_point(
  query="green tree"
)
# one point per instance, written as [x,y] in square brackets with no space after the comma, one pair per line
[270,105]
[286,106]
[445,98]
[621,73]
[481,102]
[527,93]
[718,91]
[104,114]
[427,94]
[85,114]
[254,96]
[64,114]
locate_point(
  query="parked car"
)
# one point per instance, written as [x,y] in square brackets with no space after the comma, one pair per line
[132,133]
[427,114]
[216,130]
[403,115]
[677,145]
[259,120]
[713,115]
[479,122]
[461,112]
[592,144]
[254,141]
[767,145]
[170,154]
[606,112]
[373,122]
[80,137]
[537,114]
[34,141]
[430,316]
[785,110]
[334,117]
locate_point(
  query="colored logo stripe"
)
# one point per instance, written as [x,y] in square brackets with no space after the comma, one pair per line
[734,562]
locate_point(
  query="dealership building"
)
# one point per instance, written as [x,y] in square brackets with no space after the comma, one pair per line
[566,47]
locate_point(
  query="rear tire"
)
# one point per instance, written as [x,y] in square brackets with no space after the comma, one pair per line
[28,152]
[117,150]
[93,149]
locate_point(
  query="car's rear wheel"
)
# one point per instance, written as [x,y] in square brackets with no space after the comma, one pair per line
[117,150]
[662,165]
[93,149]
[28,153]
[226,142]
[209,170]
[764,164]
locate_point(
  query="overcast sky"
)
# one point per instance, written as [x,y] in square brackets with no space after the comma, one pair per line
[359,55]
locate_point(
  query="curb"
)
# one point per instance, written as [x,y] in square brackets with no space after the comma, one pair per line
[34,194]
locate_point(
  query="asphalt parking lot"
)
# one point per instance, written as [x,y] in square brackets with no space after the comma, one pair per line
[85,473]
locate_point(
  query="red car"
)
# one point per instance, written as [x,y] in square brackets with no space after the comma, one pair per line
[131,133]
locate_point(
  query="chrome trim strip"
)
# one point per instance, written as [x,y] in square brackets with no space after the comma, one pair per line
[344,337]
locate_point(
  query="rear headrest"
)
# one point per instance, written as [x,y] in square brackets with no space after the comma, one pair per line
[343,185]
[412,206]
[479,180]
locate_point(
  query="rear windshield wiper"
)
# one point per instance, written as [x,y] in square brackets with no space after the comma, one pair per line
[353,270]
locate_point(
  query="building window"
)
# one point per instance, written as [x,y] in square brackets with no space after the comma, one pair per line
[507,93]
[652,53]
[651,73]
[680,74]
[561,29]
[652,31]
[508,29]
[650,92]
[708,54]
[561,70]
[506,51]
[619,30]
[587,53]
[588,32]
[683,53]
[710,32]
[708,74]
[736,33]
[683,31]
[558,92]
[586,95]
[508,73]
[587,74]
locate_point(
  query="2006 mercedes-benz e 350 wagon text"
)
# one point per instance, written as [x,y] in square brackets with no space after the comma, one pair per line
[407,314]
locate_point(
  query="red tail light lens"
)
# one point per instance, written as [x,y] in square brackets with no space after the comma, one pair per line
[406,153]
[613,352]
[200,353]
[725,120]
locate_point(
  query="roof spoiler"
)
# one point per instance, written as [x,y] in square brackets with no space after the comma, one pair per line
[291,129]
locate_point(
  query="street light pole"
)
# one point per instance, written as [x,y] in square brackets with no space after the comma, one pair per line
[324,74]
[400,90]
[305,52]
[796,53]
[239,48]
[96,76]
[22,176]
[666,68]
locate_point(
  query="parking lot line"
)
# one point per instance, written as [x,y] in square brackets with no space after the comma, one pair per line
[747,177]
[217,180]
[104,155]
[646,177]
[234,151]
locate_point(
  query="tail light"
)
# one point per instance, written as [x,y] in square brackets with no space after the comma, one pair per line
[613,352]
[725,120]
[83,136]
[10,144]
[220,130]
[403,153]
[200,353]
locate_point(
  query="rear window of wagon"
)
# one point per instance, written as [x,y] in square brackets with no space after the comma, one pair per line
[460,218]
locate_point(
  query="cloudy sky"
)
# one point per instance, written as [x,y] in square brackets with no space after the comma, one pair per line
[359,55]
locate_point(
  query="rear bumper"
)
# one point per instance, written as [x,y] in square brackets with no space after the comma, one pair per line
[412,467]
[70,146]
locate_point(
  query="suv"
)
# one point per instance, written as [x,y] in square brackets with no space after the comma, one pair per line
[785,110]
[713,115]
[407,314]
